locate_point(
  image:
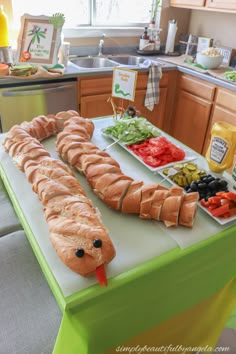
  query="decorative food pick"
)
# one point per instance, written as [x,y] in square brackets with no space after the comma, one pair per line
[57,20]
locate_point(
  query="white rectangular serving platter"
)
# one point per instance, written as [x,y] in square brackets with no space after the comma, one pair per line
[221,221]
[189,156]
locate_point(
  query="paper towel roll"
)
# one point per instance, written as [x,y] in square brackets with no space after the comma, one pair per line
[170,41]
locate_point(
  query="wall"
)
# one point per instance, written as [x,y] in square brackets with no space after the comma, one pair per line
[220,26]
[182,16]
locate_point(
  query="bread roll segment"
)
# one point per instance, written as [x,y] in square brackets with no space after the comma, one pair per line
[120,192]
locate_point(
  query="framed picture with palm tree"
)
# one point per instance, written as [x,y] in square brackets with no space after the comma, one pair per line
[39,39]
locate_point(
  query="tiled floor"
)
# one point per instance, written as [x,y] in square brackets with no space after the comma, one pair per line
[228,339]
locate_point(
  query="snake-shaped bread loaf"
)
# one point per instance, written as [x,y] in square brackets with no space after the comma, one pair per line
[76,231]
[119,191]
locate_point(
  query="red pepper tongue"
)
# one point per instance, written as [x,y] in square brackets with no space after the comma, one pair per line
[101,275]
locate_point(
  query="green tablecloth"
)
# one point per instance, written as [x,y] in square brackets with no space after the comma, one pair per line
[142,296]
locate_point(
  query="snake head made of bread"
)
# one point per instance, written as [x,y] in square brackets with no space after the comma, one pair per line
[84,255]
[78,235]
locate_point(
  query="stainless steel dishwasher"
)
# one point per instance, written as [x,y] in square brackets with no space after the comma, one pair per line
[22,102]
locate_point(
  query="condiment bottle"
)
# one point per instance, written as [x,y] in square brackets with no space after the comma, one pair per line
[220,153]
[4,41]
[144,39]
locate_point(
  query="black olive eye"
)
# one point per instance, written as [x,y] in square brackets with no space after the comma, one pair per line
[97,243]
[79,252]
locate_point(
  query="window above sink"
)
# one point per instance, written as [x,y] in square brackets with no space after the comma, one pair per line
[100,13]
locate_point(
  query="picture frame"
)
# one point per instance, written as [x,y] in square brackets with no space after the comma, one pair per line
[39,39]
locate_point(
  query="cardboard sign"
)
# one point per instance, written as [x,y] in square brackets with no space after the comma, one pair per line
[124,83]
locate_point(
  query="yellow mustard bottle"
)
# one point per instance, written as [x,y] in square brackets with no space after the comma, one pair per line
[220,153]
[4,40]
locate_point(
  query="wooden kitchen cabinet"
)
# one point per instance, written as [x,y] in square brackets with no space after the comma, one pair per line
[194,101]
[209,5]
[94,92]
[221,4]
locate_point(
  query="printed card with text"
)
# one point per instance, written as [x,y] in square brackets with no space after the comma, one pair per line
[124,83]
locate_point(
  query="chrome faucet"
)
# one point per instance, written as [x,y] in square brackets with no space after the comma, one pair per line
[101,46]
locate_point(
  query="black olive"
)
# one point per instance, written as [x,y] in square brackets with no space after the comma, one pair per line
[97,243]
[208,195]
[212,185]
[79,252]
[210,179]
[201,196]
[202,186]
[193,186]
[204,179]
[223,183]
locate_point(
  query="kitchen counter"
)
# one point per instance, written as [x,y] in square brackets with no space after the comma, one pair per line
[213,76]
[170,63]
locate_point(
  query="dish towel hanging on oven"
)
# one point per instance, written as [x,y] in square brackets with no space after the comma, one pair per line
[153,89]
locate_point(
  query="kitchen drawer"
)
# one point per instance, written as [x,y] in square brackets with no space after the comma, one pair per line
[226,98]
[103,84]
[196,87]
[94,85]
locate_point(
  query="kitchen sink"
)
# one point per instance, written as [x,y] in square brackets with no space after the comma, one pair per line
[130,60]
[93,63]
[108,62]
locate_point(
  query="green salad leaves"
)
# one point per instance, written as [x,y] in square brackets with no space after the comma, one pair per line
[132,130]
[230,75]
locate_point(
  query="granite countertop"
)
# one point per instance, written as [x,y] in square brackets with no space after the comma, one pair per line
[169,63]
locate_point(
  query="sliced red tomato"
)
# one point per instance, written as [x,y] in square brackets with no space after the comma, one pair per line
[157,152]
[177,153]
[152,161]
[159,141]
[204,203]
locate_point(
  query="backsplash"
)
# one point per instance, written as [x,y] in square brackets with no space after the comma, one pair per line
[220,26]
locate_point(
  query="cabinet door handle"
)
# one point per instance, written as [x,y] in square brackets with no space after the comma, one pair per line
[35,91]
